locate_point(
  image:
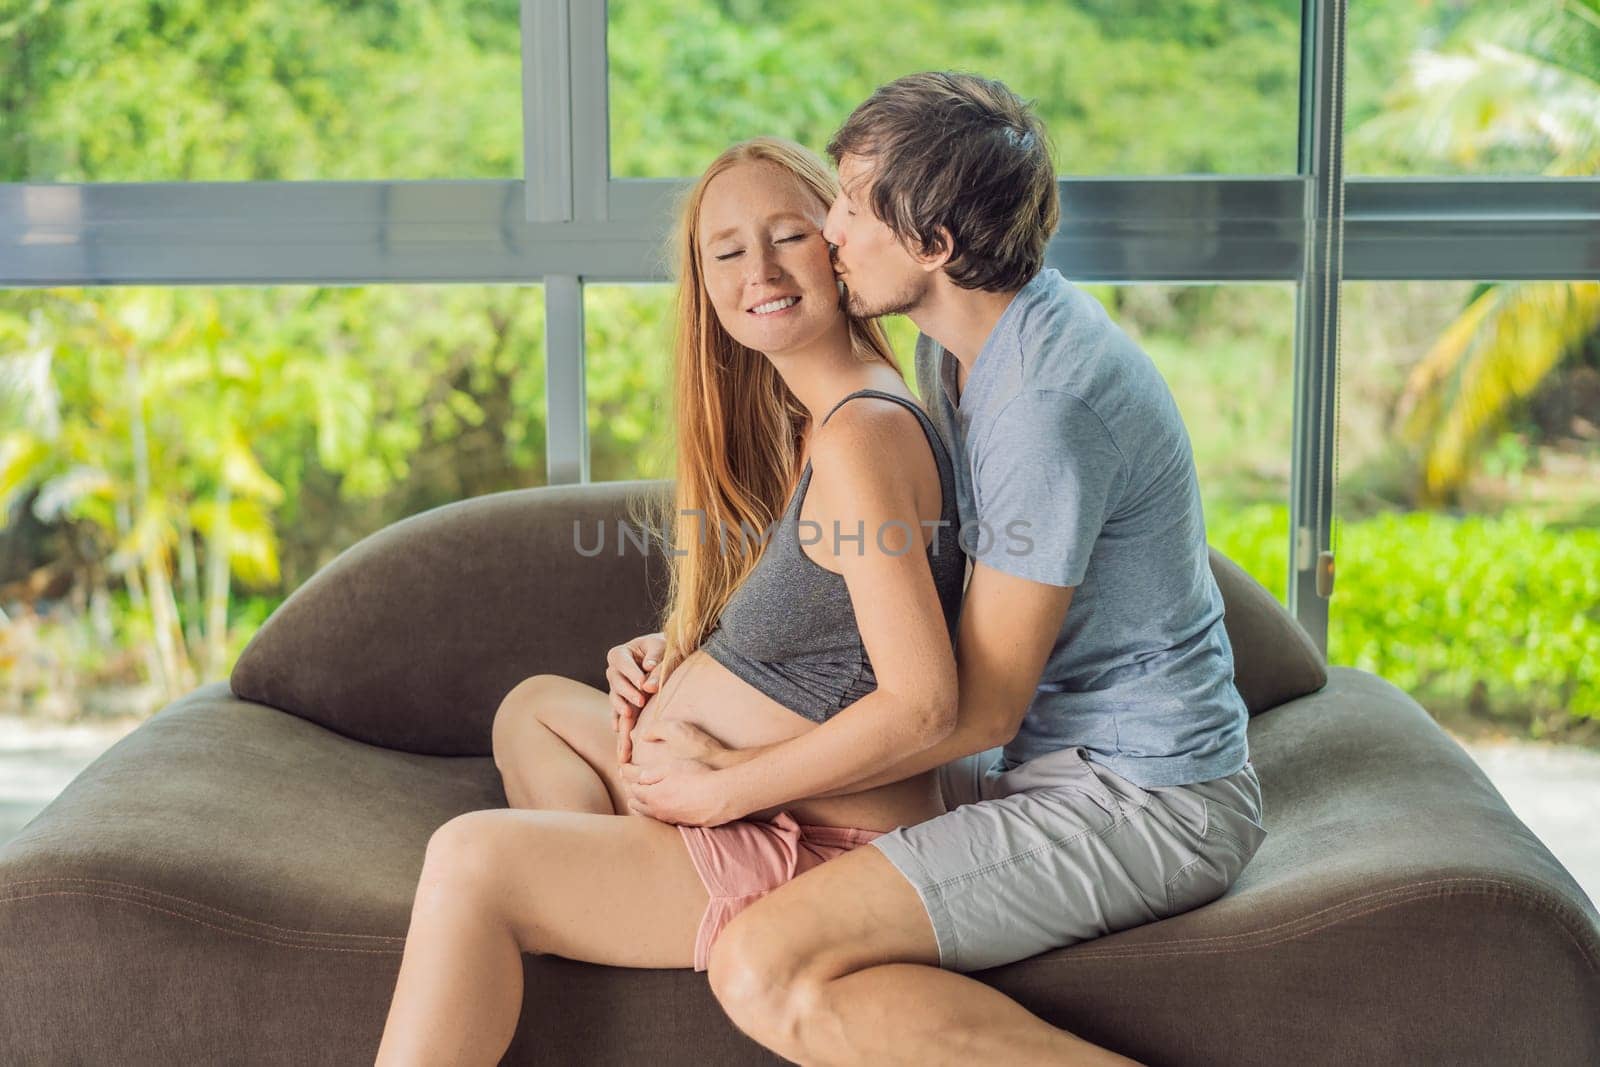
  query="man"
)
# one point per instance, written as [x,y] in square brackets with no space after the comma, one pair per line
[1091,644]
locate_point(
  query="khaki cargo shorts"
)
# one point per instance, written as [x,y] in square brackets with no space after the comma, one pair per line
[1062,849]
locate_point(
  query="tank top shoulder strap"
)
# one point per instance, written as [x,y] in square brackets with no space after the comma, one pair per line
[879,393]
[842,402]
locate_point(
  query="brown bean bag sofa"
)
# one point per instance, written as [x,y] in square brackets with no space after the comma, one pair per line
[232,881]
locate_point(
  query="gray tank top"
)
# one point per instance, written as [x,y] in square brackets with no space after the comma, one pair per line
[789,629]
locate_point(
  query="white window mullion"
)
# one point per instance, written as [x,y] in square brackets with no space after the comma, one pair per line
[566,424]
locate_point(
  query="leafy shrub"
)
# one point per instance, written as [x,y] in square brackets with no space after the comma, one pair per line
[1497,615]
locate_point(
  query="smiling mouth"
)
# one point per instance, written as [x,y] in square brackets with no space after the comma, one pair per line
[772,307]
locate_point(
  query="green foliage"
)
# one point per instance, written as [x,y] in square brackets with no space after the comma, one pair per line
[197,90]
[1495,88]
[1119,91]
[1511,89]
[315,414]
[1256,537]
[1496,614]
[629,336]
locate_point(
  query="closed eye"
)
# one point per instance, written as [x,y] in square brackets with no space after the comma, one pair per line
[781,240]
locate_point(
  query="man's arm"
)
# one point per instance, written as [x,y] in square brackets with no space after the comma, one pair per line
[1008,627]
[1051,465]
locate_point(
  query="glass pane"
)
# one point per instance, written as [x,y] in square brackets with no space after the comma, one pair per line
[1468,537]
[1119,86]
[1227,352]
[147,432]
[1473,87]
[182,90]
[628,380]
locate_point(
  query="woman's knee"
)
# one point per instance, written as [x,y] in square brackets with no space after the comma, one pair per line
[460,858]
[466,869]
[524,704]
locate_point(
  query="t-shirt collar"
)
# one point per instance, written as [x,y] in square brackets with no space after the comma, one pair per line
[984,369]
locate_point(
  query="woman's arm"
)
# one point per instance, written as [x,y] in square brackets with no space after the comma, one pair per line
[856,462]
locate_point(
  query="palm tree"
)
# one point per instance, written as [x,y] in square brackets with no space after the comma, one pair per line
[130,413]
[1533,98]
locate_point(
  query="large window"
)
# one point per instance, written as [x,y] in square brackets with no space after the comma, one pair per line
[1161,114]
[213,382]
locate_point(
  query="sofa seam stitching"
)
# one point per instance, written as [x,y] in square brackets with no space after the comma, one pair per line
[213,926]
[173,896]
[1394,897]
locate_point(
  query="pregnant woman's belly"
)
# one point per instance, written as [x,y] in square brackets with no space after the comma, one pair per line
[703,692]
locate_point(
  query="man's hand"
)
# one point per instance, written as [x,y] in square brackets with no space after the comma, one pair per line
[679,791]
[633,679]
[685,740]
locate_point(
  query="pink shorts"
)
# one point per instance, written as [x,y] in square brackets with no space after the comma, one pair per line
[740,862]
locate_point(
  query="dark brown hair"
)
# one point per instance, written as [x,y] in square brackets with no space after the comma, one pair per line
[962,152]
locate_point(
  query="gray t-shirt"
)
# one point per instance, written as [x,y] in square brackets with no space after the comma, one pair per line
[1073,468]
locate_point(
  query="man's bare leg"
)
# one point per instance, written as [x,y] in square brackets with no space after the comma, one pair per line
[840,966]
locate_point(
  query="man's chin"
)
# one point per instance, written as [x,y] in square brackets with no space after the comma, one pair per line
[861,309]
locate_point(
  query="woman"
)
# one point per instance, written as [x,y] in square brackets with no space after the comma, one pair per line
[790,410]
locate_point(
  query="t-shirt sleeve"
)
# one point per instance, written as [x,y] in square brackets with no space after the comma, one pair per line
[1047,478]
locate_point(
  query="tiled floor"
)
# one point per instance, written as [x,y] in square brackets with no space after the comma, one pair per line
[1554,789]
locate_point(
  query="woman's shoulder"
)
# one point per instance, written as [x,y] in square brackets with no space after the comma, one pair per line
[870,444]
[867,423]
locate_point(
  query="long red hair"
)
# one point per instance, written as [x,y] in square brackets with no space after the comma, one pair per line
[739,427]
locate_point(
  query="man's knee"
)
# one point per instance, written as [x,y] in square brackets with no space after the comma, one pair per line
[757,975]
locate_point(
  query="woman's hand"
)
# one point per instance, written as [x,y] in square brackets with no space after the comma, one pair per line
[633,678]
[680,791]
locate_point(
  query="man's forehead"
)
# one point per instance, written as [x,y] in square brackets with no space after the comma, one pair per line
[855,174]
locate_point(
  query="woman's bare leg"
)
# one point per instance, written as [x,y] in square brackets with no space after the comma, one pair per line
[613,889]
[555,749]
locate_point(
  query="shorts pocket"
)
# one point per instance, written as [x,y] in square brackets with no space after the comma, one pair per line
[1216,865]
